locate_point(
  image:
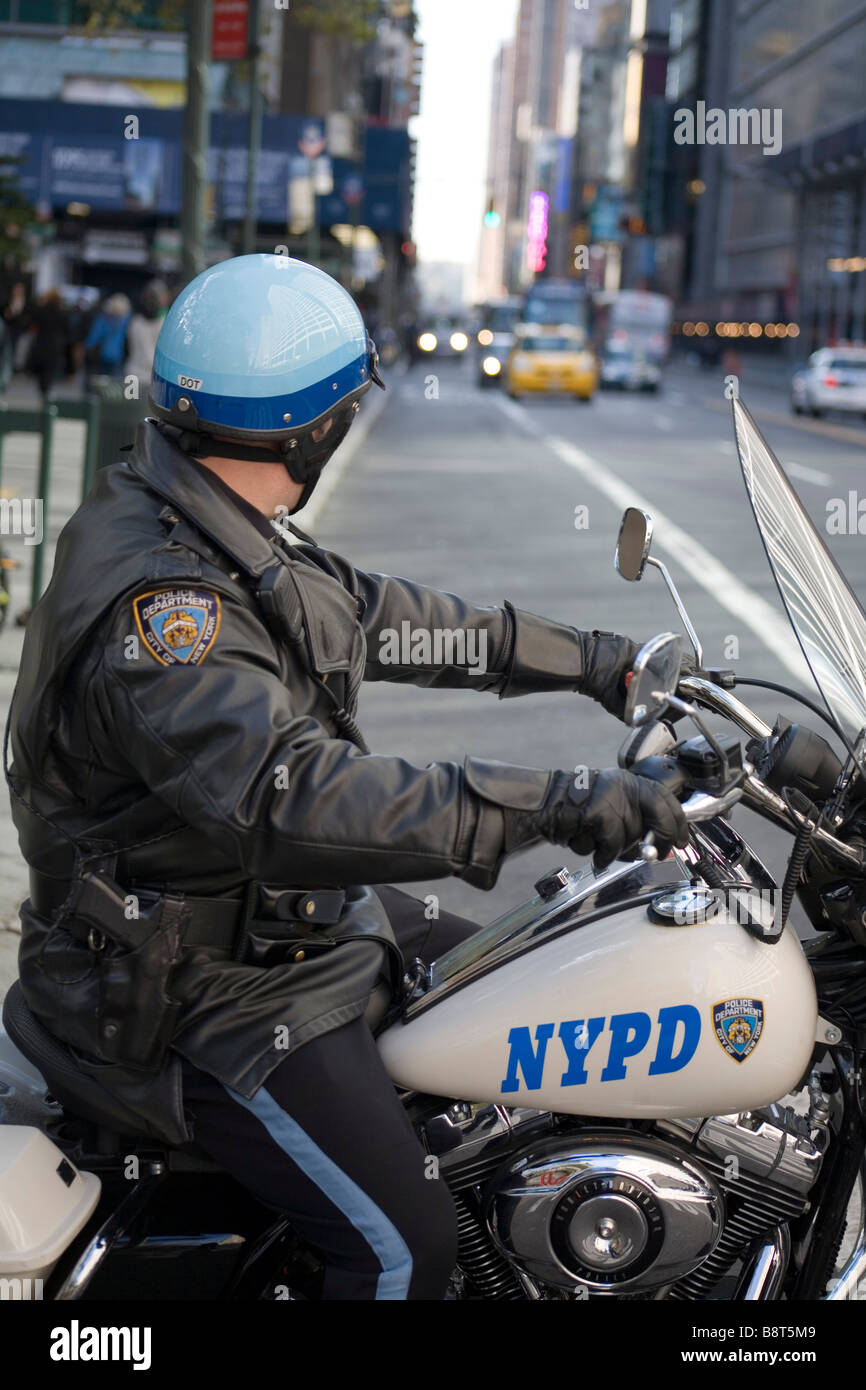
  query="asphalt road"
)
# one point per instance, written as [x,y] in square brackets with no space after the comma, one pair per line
[463,489]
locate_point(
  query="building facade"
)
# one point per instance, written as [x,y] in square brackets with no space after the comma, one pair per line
[91,129]
[777,248]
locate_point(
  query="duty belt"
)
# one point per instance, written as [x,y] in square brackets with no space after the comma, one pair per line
[210,921]
[213,922]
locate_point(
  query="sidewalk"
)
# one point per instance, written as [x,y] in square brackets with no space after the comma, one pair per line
[756,369]
[20,479]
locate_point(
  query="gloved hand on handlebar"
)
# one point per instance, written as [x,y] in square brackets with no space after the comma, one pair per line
[608,817]
[607,660]
[543,655]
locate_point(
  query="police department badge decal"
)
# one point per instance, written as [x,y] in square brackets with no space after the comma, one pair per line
[178,626]
[738,1024]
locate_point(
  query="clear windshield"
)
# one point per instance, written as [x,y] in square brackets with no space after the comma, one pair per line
[825,614]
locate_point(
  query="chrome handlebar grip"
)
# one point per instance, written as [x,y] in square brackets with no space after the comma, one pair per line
[723,702]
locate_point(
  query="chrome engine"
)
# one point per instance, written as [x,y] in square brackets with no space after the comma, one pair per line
[546,1211]
[611,1212]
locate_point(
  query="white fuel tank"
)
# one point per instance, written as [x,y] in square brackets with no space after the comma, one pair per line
[624,1017]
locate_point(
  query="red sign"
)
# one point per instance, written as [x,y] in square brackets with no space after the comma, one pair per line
[230,33]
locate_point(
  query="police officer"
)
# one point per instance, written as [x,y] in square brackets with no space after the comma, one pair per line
[199,809]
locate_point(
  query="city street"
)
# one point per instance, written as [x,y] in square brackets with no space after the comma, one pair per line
[473,493]
[596,254]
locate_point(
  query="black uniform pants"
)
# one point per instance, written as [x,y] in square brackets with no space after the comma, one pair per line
[327,1142]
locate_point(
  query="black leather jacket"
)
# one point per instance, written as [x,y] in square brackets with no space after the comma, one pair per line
[234,763]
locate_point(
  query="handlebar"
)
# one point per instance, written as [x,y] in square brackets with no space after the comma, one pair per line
[723,702]
[752,791]
[759,797]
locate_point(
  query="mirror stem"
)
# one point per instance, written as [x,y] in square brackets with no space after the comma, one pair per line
[686,621]
[683,707]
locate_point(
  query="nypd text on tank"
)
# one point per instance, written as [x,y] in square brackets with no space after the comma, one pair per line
[627,1037]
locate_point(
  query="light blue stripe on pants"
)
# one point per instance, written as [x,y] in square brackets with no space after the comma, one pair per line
[369,1220]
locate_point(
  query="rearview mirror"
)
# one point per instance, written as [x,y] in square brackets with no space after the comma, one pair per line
[655,676]
[633,543]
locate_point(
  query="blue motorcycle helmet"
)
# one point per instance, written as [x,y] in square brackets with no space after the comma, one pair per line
[259,351]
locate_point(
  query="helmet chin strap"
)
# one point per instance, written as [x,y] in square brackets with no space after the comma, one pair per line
[198,445]
[309,470]
[302,457]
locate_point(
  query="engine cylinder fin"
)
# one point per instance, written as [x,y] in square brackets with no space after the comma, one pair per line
[755,1207]
[473,1173]
[479,1259]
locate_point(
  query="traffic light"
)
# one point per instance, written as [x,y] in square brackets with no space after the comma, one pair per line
[491,216]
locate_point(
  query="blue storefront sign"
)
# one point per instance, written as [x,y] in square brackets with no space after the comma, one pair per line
[63,152]
[605,214]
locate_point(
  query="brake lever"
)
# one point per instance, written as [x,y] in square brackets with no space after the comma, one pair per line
[699,806]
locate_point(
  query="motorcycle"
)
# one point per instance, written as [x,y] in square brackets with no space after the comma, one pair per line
[640,1084]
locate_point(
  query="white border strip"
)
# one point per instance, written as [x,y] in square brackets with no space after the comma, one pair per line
[333,471]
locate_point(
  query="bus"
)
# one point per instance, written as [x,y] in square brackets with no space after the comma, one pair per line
[552,303]
[634,320]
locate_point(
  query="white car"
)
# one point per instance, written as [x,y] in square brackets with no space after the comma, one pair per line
[832,379]
[626,366]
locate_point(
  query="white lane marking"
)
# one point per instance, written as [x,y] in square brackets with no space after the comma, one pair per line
[744,603]
[517,413]
[747,606]
[308,518]
[809,475]
[663,422]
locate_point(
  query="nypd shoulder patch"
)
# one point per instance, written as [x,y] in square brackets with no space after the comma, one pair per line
[178,626]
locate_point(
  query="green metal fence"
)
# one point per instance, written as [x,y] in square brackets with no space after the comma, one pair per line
[110,421]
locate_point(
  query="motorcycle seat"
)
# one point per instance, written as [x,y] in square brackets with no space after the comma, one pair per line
[77,1092]
[81,1095]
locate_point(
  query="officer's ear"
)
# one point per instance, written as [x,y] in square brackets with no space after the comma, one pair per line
[322,431]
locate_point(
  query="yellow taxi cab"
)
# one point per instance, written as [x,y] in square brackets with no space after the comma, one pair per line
[552,359]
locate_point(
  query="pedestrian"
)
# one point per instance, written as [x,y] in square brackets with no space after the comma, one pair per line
[6,357]
[17,316]
[81,317]
[214,769]
[105,344]
[143,332]
[48,340]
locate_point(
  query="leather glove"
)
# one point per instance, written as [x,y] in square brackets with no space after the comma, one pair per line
[608,658]
[546,656]
[609,817]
